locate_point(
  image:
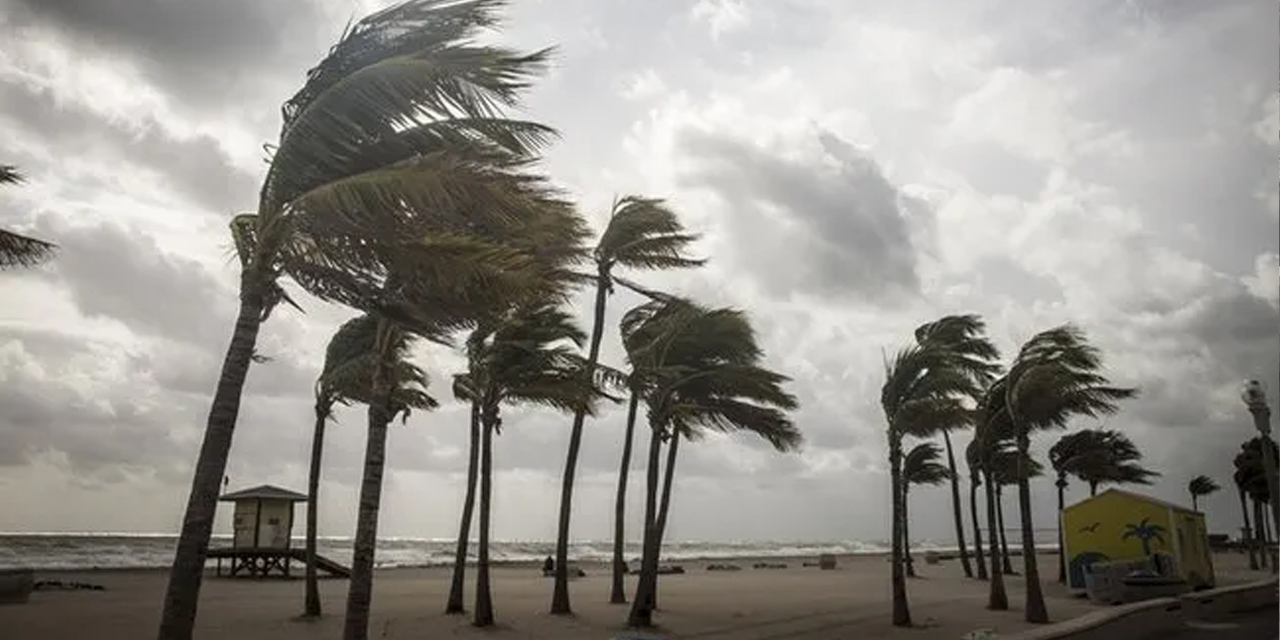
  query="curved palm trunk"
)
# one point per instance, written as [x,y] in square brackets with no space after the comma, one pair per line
[664,507]
[182,594]
[1259,534]
[360,591]
[641,614]
[1062,556]
[1036,611]
[1006,565]
[1247,537]
[955,507]
[484,597]
[618,592]
[1195,502]
[458,584]
[906,530]
[311,602]
[560,592]
[901,610]
[997,597]
[977,527]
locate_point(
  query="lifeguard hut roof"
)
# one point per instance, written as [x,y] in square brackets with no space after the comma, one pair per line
[263,492]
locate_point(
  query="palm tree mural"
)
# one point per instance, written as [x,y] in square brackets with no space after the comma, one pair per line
[394,156]
[1145,532]
[17,250]
[1201,486]
[921,466]
[643,233]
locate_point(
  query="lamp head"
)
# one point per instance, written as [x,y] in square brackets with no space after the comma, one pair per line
[1254,394]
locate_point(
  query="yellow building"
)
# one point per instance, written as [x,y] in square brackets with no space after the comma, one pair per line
[1119,525]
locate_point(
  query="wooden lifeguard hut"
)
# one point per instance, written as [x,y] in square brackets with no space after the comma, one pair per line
[262,534]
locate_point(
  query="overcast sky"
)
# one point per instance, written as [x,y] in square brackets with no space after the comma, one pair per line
[857,168]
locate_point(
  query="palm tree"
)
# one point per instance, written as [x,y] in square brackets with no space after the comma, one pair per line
[398,133]
[1055,376]
[1095,456]
[1145,532]
[973,459]
[17,250]
[920,466]
[464,389]
[991,436]
[1007,467]
[371,355]
[927,385]
[617,589]
[643,233]
[698,370]
[1241,480]
[1201,486]
[1250,478]
[528,357]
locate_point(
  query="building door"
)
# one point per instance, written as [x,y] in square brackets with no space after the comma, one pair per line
[242,527]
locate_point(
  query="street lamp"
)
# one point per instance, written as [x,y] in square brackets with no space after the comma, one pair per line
[1254,395]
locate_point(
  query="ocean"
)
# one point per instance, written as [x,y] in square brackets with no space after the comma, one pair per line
[150,551]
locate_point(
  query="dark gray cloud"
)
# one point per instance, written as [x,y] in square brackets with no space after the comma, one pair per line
[201,52]
[806,227]
[197,167]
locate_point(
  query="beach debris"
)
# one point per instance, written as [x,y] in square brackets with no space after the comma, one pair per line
[58,585]
[723,567]
[931,557]
[769,565]
[670,569]
[980,634]
[827,561]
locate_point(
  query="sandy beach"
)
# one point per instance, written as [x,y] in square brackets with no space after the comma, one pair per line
[751,604]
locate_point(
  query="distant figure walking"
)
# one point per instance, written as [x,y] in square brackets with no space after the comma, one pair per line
[548,566]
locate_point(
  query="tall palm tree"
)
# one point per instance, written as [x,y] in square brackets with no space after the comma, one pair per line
[643,233]
[1007,467]
[1201,486]
[529,356]
[17,250]
[1240,477]
[973,459]
[464,389]
[1250,477]
[698,370]
[617,588]
[398,133]
[920,466]
[992,435]
[1095,456]
[926,385]
[1055,377]
[372,367]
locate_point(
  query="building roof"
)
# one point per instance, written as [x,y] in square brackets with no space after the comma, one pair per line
[263,492]
[1135,496]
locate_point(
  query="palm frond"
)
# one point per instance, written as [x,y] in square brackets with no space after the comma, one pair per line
[17,250]
[923,465]
[644,233]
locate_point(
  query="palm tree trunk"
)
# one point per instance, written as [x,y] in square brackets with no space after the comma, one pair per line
[955,507]
[1036,611]
[1006,565]
[906,530]
[360,590]
[1195,504]
[1093,488]
[977,527]
[997,597]
[618,593]
[182,594]
[898,580]
[664,507]
[484,597]
[1247,537]
[641,614]
[1258,535]
[458,585]
[311,601]
[560,592]
[1062,556]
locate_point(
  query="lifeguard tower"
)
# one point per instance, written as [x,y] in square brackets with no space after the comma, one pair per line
[262,535]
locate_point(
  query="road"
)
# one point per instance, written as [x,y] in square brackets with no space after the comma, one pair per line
[1262,624]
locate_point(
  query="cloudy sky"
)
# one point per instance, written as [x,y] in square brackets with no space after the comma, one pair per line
[856,168]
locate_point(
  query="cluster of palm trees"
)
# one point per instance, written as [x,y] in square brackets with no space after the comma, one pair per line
[1255,501]
[401,189]
[951,379]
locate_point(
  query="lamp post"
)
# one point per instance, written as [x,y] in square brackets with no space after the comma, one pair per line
[1255,397]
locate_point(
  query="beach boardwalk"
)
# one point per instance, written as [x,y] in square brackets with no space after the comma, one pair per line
[1118,525]
[262,535]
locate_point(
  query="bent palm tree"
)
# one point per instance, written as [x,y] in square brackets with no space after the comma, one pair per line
[1201,486]
[920,466]
[1055,377]
[698,370]
[17,250]
[397,135]
[643,233]
[464,389]
[992,437]
[973,459]
[1008,466]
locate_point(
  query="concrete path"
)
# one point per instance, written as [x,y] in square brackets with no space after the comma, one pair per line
[1263,624]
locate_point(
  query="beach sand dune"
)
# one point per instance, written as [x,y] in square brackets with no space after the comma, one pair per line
[753,604]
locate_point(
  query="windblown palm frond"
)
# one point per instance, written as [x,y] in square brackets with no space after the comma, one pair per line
[17,250]
[923,465]
[1202,486]
[644,233]
[353,354]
